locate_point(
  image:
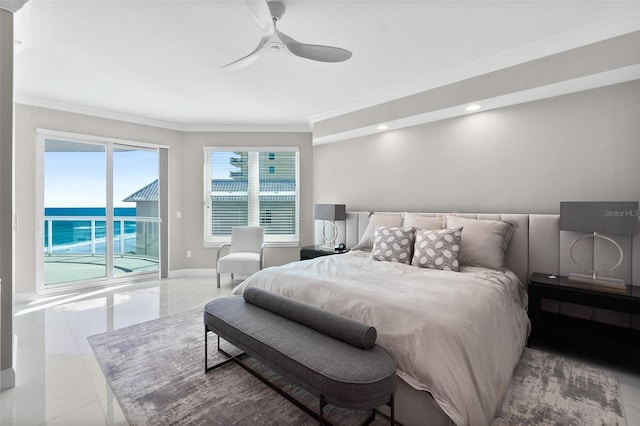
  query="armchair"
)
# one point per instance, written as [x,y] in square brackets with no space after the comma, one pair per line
[245,252]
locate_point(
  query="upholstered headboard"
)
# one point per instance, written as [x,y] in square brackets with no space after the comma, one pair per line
[537,245]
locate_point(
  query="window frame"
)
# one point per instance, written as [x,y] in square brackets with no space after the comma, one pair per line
[277,240]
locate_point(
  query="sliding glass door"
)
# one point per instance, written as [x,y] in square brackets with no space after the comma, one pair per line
[75,182]
[136,243]
[100,204]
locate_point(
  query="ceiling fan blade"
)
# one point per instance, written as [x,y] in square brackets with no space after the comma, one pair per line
[262,15]
[246,60]
[314,51]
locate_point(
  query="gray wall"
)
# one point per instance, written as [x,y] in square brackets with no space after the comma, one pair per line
[185,183]
[521,159]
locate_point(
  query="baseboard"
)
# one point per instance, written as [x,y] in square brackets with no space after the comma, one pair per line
[200,272]
[8,375]
[7,378]
[25,297]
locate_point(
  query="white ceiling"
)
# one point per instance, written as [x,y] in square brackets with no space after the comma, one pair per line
[160,60]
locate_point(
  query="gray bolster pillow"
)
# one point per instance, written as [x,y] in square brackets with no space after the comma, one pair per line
[336,326]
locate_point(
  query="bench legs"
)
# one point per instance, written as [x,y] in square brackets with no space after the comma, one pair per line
[321,410]
[229,359]
[237,359]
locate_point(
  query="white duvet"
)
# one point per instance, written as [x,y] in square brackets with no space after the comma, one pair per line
[457,335]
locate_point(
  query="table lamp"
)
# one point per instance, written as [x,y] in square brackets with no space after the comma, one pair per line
[330,213]
[597,218]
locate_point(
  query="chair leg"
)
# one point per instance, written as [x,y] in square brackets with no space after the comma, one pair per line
[218,279]
[232,278]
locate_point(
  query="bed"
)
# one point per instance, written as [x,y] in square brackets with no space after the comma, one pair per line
[456,336]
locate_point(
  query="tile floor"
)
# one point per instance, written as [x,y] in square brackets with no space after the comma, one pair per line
[58,379]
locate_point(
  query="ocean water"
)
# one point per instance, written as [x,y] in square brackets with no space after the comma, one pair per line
[71,230]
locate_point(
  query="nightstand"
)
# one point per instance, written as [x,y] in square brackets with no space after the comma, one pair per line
[311,252]
[586,319]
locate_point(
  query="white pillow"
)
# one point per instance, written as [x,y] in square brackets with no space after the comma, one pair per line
[418,221]
[484,242]
[377,219]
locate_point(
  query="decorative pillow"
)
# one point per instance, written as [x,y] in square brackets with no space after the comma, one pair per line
[377,219]
[392,244]
[484,242]
[412,220]
[437,249]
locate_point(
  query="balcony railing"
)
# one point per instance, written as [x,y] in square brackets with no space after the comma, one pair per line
[143,230]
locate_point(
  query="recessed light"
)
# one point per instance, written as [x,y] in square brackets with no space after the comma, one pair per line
[472,108]
[382,127]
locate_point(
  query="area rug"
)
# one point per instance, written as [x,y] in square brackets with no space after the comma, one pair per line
[550,390]
[156,371]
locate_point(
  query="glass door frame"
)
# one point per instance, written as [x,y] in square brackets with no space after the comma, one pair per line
[140,217]
[41,136]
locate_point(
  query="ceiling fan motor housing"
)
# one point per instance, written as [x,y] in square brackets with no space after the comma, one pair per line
[275,46]
[277,9]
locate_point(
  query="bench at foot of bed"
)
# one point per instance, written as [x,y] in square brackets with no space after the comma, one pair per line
[331,357]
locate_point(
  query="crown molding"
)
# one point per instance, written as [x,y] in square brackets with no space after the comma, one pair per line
[145,121]
[94,112]
[593,81]
[12,5]
[572,40]
[266,128]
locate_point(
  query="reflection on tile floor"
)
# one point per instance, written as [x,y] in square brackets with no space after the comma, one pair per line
[59,381]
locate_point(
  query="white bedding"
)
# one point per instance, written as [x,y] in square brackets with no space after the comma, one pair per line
[457,335]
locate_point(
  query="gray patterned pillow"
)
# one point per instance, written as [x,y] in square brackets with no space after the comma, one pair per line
[392,244]
[437,249]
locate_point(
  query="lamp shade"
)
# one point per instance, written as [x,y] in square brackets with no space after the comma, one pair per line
[330,212]
[608,217]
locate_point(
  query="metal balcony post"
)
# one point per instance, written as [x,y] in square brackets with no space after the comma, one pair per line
[49,236]
[121,236]
[93,236]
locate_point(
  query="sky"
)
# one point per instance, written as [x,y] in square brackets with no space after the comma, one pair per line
[222,166]
[78,179]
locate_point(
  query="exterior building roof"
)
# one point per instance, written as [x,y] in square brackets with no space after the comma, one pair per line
[148,193]
[232,185]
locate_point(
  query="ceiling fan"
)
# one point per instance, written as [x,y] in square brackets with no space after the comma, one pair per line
[274,41]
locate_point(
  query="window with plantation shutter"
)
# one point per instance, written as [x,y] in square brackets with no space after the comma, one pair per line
[251,186]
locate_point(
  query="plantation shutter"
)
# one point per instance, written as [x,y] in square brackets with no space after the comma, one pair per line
[252,186]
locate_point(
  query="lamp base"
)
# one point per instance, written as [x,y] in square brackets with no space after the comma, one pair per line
[599,281]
